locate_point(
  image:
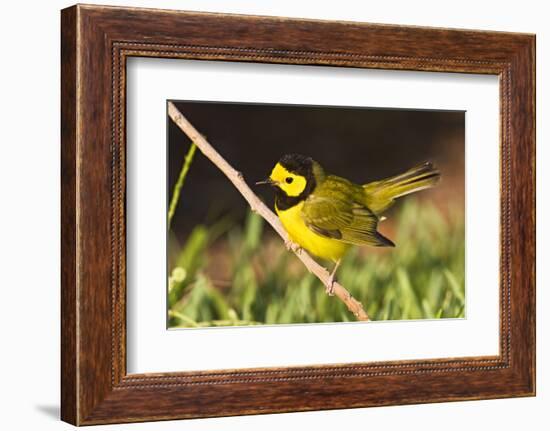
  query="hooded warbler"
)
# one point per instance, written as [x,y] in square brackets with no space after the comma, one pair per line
[326,214]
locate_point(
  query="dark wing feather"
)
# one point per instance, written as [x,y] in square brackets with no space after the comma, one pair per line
[339,217]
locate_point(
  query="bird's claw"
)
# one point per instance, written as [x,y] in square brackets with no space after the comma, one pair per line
[292,246]
[330,285]
[332,278]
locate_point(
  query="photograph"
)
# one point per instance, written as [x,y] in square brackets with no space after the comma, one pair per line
[374,195]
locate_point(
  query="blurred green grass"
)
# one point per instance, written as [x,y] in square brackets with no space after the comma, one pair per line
[421,278]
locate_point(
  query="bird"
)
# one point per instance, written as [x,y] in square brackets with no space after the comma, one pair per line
[327,214]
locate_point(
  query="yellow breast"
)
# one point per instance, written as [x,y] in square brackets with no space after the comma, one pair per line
[320,246]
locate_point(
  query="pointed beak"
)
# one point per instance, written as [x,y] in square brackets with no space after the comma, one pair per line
[268,181]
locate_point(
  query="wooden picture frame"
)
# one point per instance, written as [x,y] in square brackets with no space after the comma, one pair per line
[96,41]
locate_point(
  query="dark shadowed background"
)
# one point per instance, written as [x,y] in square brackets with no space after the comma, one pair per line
[361,144]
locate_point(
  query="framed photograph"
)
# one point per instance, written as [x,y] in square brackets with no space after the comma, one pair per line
[324,214]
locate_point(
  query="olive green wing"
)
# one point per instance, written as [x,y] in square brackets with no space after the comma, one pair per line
[339,217]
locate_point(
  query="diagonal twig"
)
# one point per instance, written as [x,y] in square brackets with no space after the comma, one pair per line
[260,208]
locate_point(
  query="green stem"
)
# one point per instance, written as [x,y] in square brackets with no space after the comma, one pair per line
[182,317]
[179,184]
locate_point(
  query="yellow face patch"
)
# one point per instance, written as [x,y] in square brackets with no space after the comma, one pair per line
[291,184]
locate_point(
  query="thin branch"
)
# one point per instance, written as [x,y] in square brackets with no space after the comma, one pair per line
[259,207]
[179,183]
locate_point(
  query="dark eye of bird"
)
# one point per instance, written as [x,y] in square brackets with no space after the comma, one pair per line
[289,180]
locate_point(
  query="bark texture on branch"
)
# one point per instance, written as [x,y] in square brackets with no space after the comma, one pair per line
[257,205]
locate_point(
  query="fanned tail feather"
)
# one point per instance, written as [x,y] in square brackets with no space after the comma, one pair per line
[380,195]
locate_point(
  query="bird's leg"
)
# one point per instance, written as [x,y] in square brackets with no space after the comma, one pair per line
[331,278]
[292,246]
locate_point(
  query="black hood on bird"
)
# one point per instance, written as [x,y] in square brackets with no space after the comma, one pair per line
[298,164]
